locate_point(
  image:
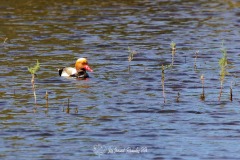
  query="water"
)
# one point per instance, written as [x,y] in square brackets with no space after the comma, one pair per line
[117,114]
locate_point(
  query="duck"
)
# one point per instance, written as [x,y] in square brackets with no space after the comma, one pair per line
[80,70]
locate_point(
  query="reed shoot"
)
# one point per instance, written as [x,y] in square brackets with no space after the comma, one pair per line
[223,62]
[5,40]
[163,78]
[202,97]
[173,47]
[130,56]
[178,98]
[76,110]
[68,107]
[231,95]
[46,97]
[33,71]
[195,60]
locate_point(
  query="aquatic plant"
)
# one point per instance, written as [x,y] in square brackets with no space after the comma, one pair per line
[167,66]
[33,70]
[202,97]
[76,110]
[68,106]
[46,97]
[223,63]
[163,78]
[231,95]
[5,40]
[178,98]
[195,59]
[130,56]
[173,47]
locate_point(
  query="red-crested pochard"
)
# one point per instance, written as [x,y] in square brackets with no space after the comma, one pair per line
[80,70]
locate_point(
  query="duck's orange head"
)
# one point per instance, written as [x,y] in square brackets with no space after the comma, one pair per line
[82,63]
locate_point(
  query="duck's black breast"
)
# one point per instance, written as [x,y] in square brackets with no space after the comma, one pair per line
[60,70]
[81,74]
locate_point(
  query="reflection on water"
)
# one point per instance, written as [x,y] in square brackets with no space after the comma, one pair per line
[117,114]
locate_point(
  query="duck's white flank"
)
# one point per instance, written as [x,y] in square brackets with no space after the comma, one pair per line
[68,71]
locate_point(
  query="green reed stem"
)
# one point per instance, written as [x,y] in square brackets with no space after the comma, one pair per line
[202,97]
[163,88]
[223,63]
[178,98]
[68,106]
[195,60]
[173,47]
[231,94]
[46,97]
[130,56]
[33,71]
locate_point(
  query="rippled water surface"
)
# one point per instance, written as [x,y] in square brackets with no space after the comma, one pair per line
[119,113]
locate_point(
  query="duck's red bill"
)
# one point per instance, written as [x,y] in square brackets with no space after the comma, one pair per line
[88,68]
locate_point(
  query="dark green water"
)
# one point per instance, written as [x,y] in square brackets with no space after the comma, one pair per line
[117,114]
